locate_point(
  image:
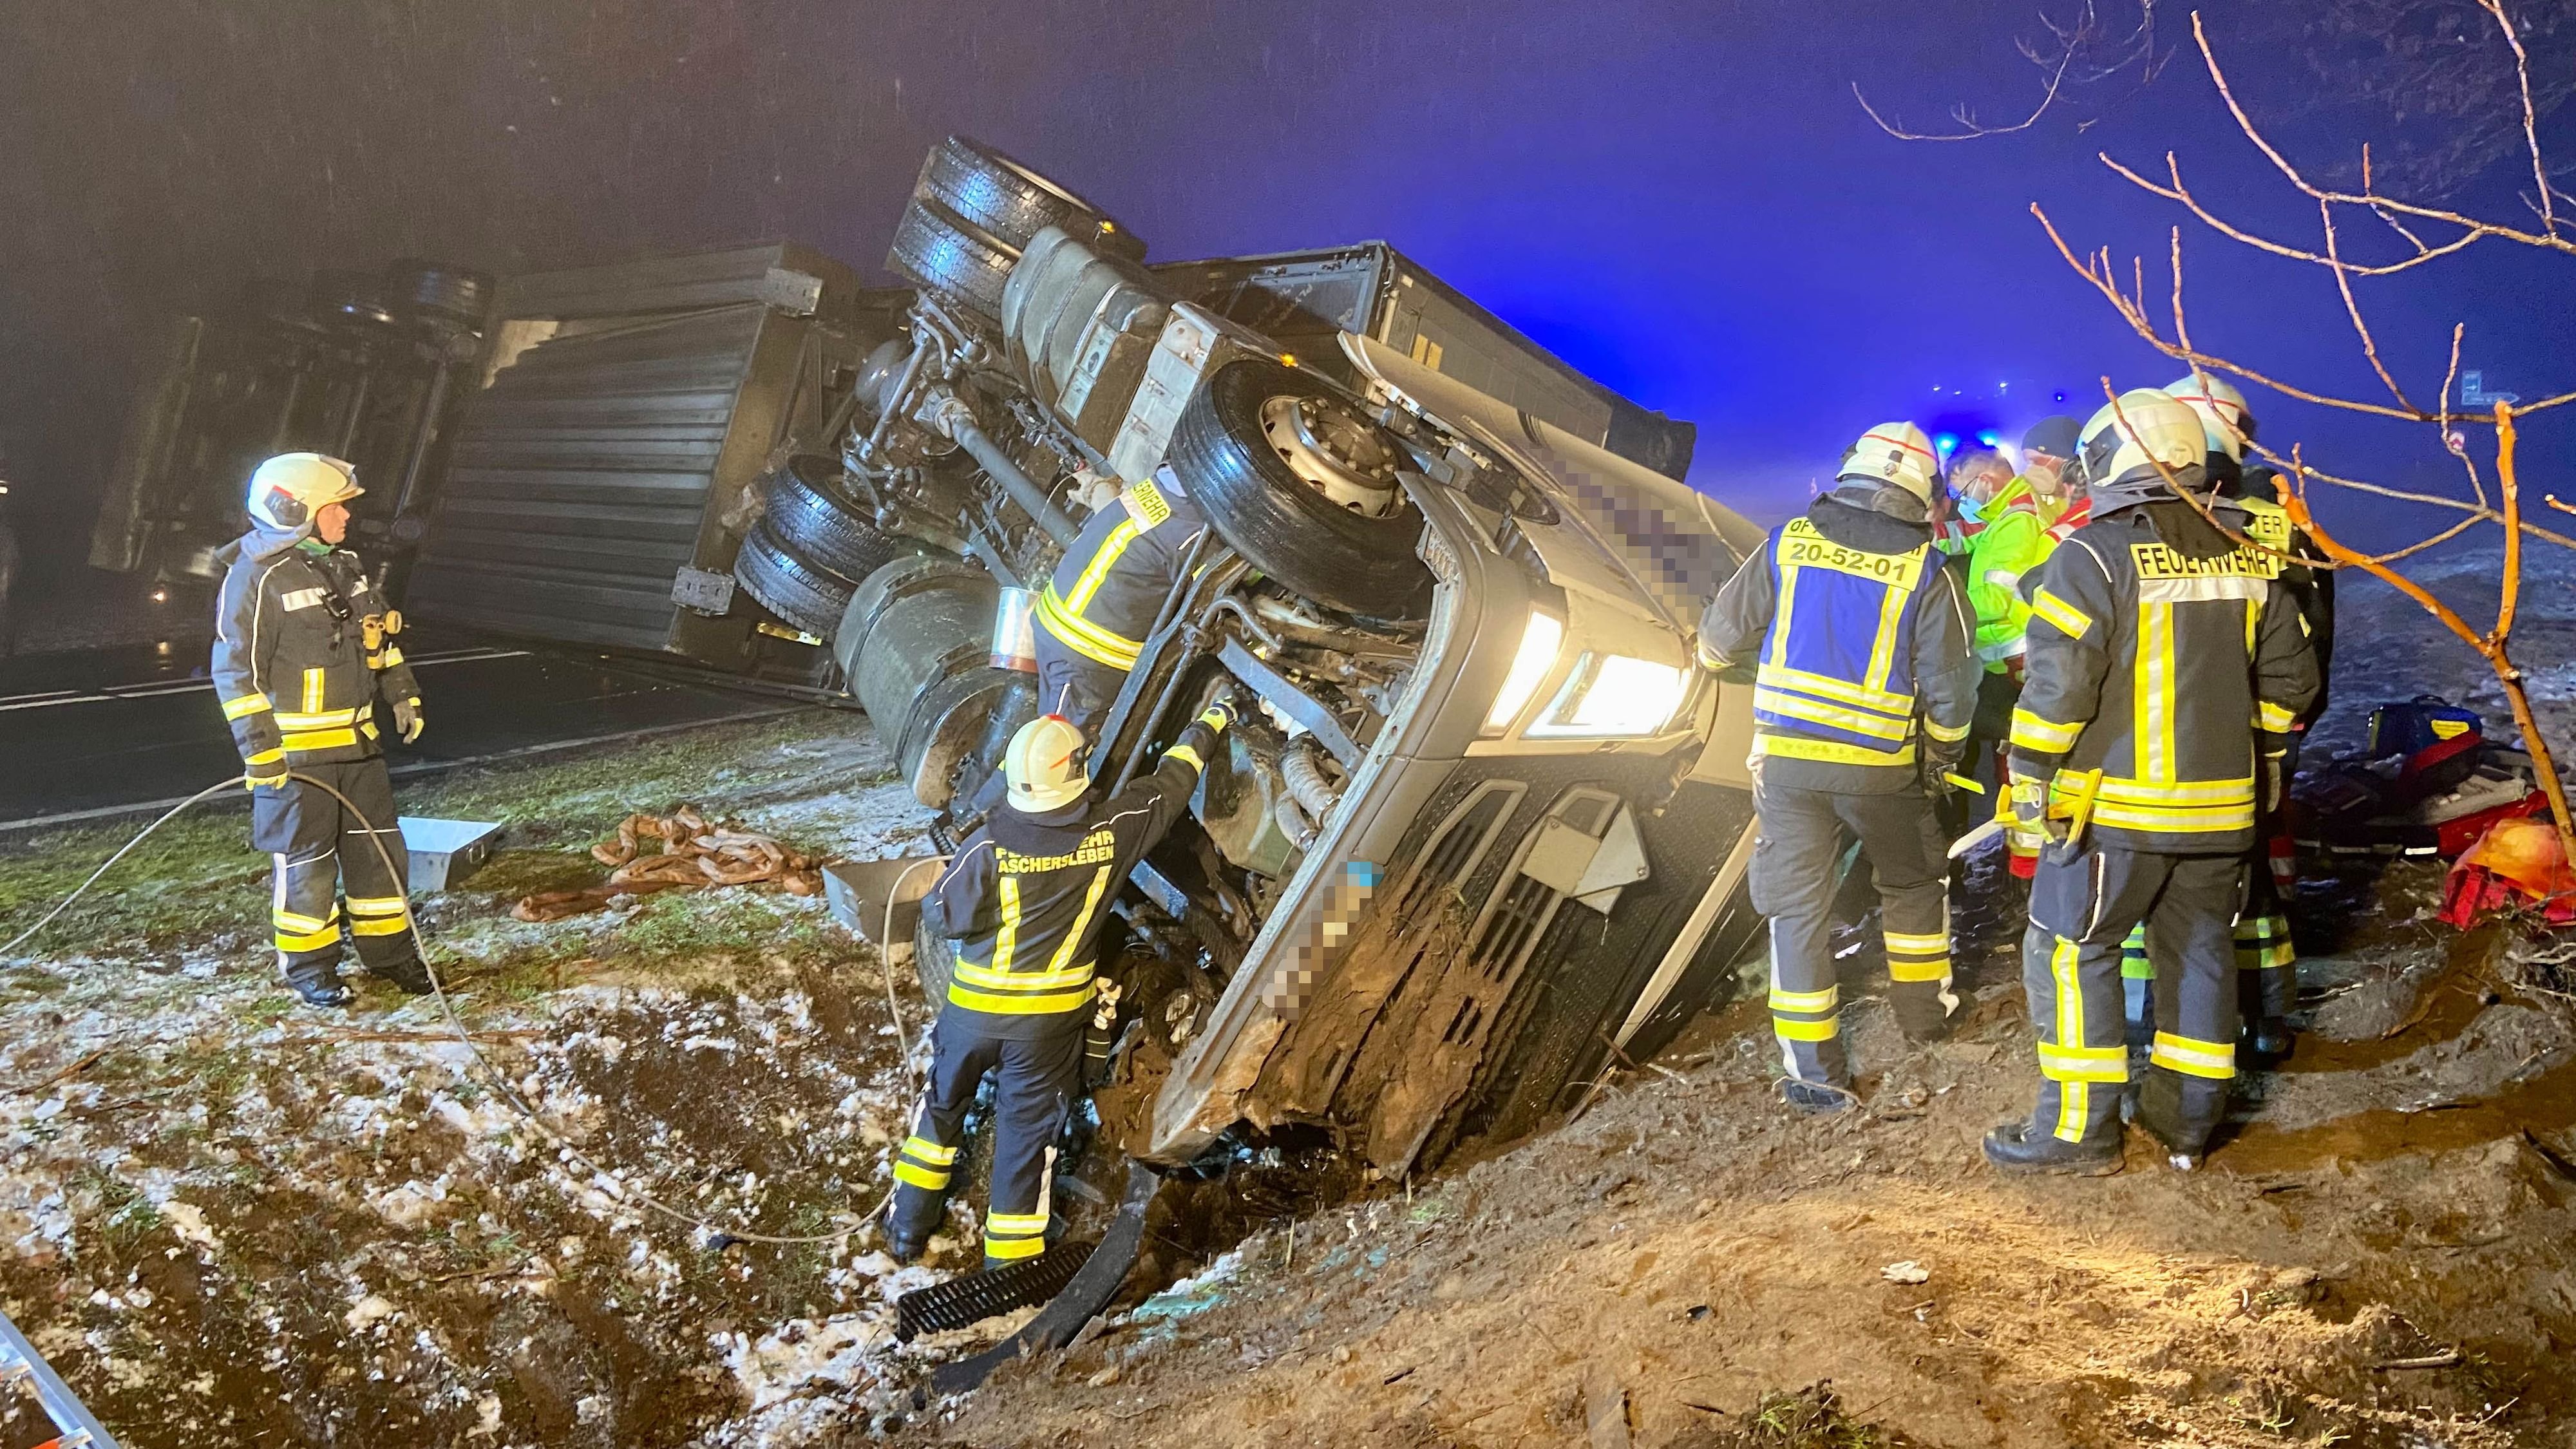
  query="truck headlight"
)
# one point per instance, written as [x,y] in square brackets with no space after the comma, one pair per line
[1615,695]
[1539,640]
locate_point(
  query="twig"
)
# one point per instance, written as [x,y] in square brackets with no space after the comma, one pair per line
[74,1070]
[1961,114]
[2446,1359]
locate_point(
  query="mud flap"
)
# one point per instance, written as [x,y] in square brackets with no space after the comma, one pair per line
[1093,1285]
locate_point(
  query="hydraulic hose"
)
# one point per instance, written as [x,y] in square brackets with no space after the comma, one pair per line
[1303,773]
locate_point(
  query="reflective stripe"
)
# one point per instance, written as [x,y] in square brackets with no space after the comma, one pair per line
[313,681]
[247,704]
[2083,1064]
[920,1177]
[308,940]
[1932,969]
[393,657]
[316,720]
[2152,710]
[1184,752]
[1016,1225]
[1918,943]
[1095,573]
[2030,732]
[2213,1059]
[929,1151]
[1808,1001]
[1818,712]
[1084,637]
[267,757]
[1006,941]
[1013,1247]
[380,926]
[2274,718]
[1946,736]
[286,920]
[376,905]
[322,740]
[1788,1030]
[2069,620]
[1839,689]
[2125,790]
[1795,748]
[1081,927]
[1018,1005]
[975,975]
[2175,819]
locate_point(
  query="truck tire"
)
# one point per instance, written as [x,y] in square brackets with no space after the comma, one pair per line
[948,254]
[800,594]
[807,512]
[987,189]
[931,962]
[1283,526]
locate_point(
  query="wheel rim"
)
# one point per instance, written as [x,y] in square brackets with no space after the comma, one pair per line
[1338,453]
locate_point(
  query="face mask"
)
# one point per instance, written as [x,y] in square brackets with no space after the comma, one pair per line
[1967,508]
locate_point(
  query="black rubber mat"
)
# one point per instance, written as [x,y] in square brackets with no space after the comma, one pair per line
[974,1297]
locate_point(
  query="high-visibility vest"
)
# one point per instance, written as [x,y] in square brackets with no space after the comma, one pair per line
[1836,679]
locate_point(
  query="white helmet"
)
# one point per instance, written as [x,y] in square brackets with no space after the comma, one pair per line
[2145,428]
[288,491]
[1044,766]
[2223,414]
[1896,453]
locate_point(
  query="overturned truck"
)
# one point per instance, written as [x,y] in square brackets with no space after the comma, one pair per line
[1487,825]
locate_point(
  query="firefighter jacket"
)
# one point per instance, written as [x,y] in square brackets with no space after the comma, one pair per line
[304,647]
[1863,680]
[2311,589]
[1112,582]
[2169,660]
[1026,894]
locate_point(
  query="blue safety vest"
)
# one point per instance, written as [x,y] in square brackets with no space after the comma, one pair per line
[1836,681]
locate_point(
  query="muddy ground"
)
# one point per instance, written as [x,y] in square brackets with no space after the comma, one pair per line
[232,1220]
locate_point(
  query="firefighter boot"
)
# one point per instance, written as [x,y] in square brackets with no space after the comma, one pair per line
[319,983]
[2028,1147]
[2180,1112]
[408,974]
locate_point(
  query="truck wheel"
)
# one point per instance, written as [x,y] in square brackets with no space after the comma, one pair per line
[987,189]
[1285,526]
[931,960]
[946,253]
[807,512]
[796,591]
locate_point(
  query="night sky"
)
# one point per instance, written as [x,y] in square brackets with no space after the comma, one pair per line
[1681,199]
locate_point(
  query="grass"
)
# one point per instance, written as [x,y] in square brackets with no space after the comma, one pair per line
[1810,1418]
[196,879]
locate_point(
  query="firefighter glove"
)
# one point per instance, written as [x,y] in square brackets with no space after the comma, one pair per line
[1220,713]
[2030,808]
[407,720]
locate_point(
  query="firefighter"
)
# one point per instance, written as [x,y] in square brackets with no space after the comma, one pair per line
[2266,962]
[1024,897]
[1863,686]
[2166,666]
[2017,537]
[304,649]
[1105,594]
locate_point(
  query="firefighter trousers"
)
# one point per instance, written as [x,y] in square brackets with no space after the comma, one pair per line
[320,846]
[1081,690]
[1792,882]
[2084,903]
[2267,965]
[1037,1079]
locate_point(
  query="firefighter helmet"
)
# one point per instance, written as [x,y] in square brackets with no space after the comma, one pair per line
[2144,434]
[1897,454]
[290,490]
[1044,765]
[2223,413]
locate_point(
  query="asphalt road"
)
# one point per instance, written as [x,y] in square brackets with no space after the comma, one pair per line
[104,732]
